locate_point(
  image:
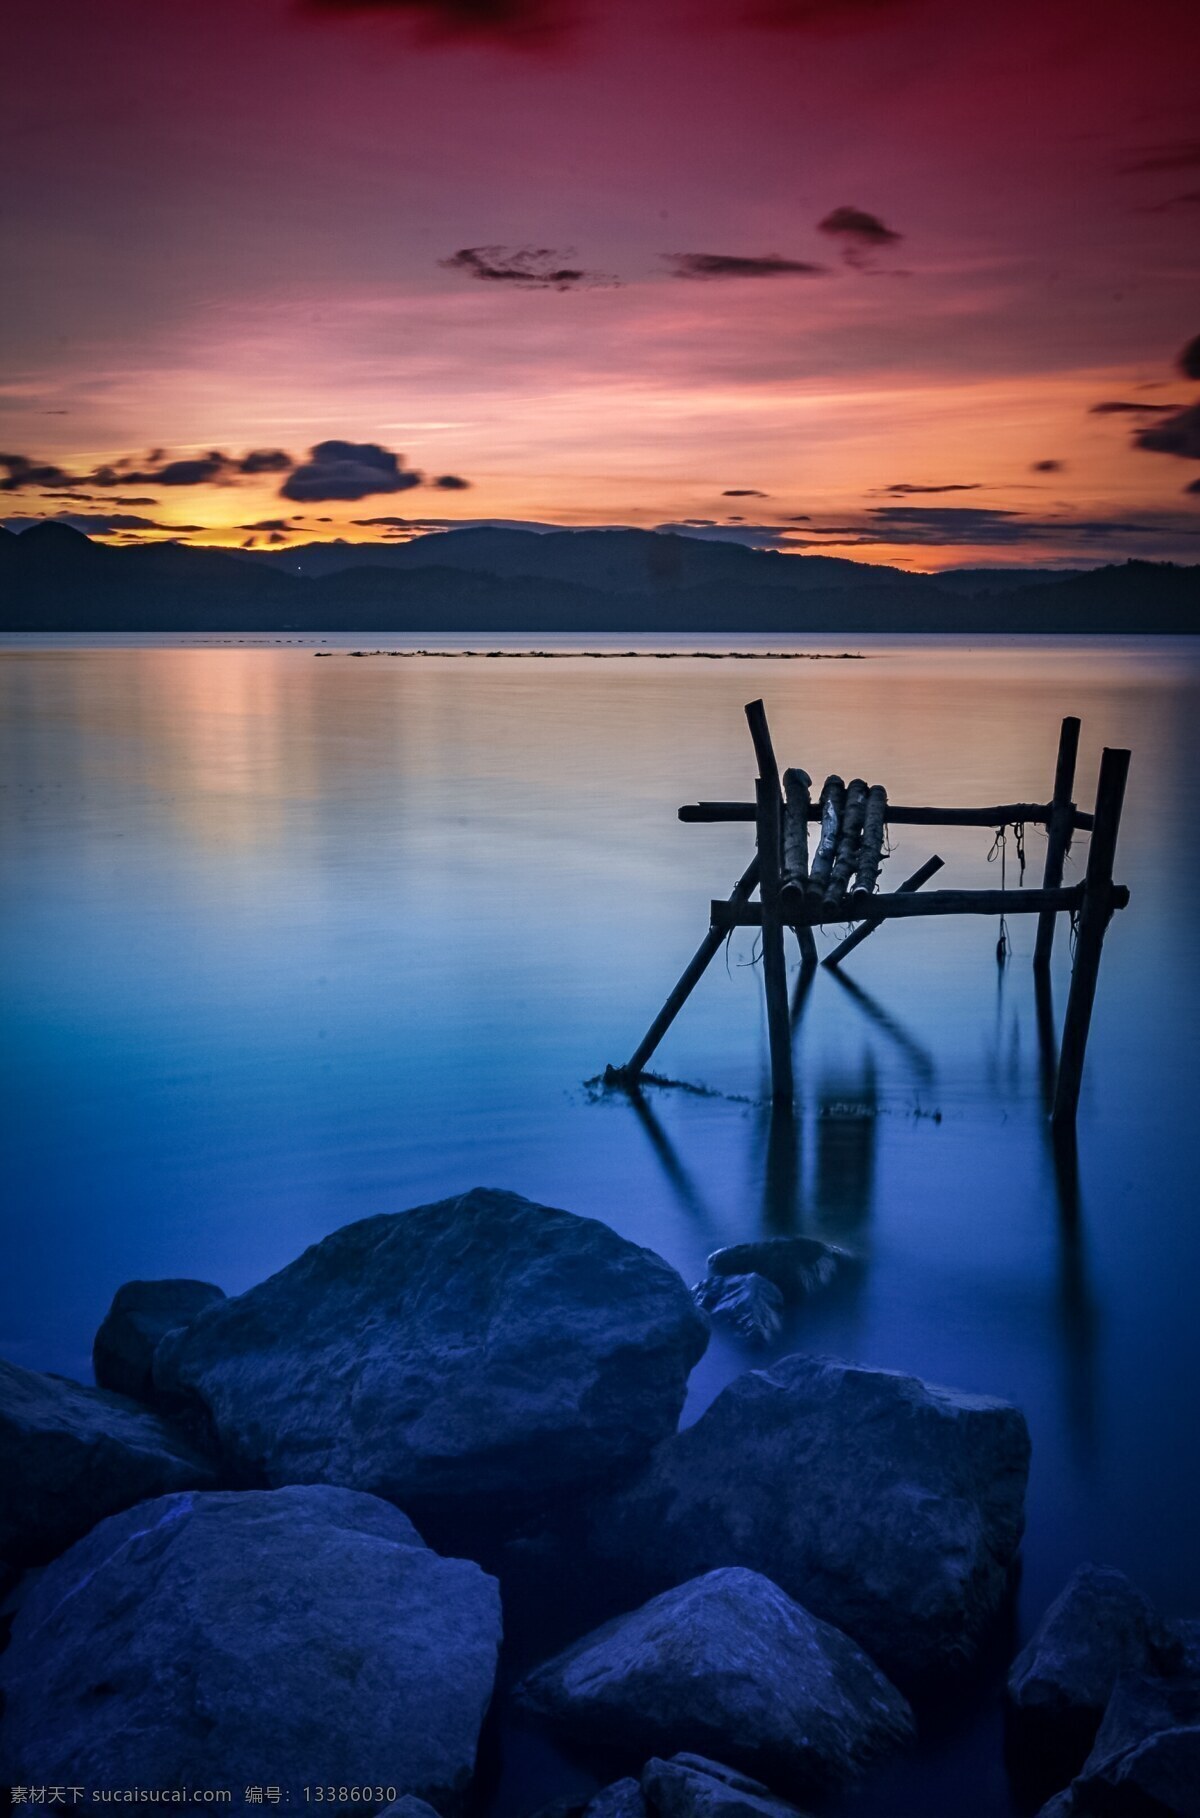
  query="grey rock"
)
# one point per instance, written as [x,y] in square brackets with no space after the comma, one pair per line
[408,1807]
[1145,1762]
[481,1350]
[797,1266]
[1099,1626]
[301,1636]
[886,1507]
[69,1456]
[141,1314]
[726,1666]
[751,1304]
[623,1799]
[688,1786]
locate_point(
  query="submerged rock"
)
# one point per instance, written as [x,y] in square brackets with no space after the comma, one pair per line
[481,1350]
[886,1507]
[141,1314]
[1099,1626]
[751,1304]
[623,1799]
[688,1786]
[303,1636]
[69,1456]
[797,1266]
[726,1665]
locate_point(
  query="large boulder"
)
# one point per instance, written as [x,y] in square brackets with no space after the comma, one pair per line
[69,1456]
[141,1314]
[886,1507]
[483,1350]
[726,1666]
[301,1637]
[1099,1626]
[688,1786]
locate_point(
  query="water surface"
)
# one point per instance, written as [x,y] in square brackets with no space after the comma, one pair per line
[290,940]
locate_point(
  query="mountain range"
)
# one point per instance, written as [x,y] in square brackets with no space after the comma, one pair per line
[482,580]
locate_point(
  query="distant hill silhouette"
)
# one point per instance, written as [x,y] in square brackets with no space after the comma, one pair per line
[53,578]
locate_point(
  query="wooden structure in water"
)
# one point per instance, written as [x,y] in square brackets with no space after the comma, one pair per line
[801,885]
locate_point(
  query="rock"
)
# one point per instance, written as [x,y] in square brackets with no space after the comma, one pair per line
[623,1799]
[70,1456]
[142,1313]
[884,1506]
[482,1350]
[408,1807]
[688,1786]
[1099,1626]
[797,1266]
[1145,1762]
[1061,1806]
[726,1665]
[1187,1633]
[751,1304]
[301,1636]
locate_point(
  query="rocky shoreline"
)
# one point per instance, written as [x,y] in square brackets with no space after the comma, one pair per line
[326,1532]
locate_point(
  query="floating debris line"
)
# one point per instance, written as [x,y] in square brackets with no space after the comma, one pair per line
[610,656]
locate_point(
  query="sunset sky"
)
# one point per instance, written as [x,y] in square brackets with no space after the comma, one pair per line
[869,276]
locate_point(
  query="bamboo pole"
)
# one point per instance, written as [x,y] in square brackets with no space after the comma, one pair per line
[796,804]
[831,806]
[922,876]
[1003,814]
[906,906]
[1100,897]
[774,966]
[870,855]
[689,978]
[1058,843]
[845,861]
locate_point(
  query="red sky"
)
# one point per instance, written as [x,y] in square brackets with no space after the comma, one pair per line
[226,229]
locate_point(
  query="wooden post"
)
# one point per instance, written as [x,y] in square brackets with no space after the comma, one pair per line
[1093,920]
[795,851]
[764,751]
[860,934]
[845,862]
[774,965]
[691,975]
[870,855]
[1062,825]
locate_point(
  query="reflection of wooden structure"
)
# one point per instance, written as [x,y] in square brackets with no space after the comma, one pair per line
[838,884]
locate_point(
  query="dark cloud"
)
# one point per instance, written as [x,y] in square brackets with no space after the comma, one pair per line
[731,265]
[529,25]
[1176,435]
[743,492]
[525,267]
[1194,487]
[1047,467]
[849,223]
[1189,359]
[1188,198]
[20,471]
[266,524]
[1121,407]
[265,460]
[96,523]
[1184,154]
[153,469]
[967,525]
[452,482]
[348,470]
[905,487]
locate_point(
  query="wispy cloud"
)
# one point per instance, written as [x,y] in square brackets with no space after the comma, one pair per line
[734,265]
[524,267]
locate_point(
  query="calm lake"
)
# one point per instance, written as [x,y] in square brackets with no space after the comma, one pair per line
[291,939]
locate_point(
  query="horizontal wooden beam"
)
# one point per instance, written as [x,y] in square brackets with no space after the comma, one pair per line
[1001,814]
[860,907]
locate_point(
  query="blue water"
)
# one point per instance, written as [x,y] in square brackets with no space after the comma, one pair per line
[293,939]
